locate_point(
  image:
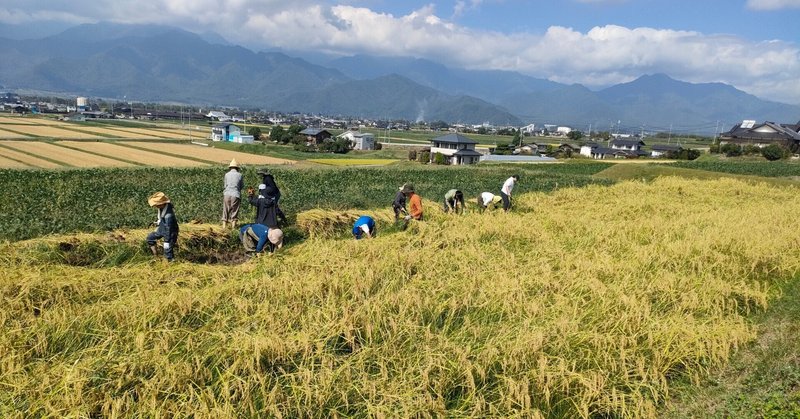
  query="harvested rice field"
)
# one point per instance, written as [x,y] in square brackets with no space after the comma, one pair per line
[114,133]
[6,163]
[150,132]
[65,155]
[147,158]
[9,134]
[16,120]
[54,132]
[29,160]
[211,154]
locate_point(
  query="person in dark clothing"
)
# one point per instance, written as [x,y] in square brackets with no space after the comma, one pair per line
[272,190]
[266,209]
[399,204]
[255,237]
[167,226]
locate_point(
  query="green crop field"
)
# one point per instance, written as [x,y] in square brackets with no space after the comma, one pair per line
[780,168]
[101,199]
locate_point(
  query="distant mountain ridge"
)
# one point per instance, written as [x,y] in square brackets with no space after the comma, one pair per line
[162,63]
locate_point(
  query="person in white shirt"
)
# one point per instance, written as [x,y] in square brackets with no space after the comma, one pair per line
[487,198]
[505,191]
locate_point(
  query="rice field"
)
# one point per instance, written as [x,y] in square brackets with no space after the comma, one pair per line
[354,162]
[28,159]
[113,133]
[16,120]
[54,132]
[580,303]
[211,154]
[147,158]
[10,135]
[5,162]
[143,131]
[64,155]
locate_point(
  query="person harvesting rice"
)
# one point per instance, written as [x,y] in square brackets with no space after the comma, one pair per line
[454,201]
[255,237]
[414,203]
[231,195]
[399,203]
[487,198]
[505,191]
[167,225]
[364,225]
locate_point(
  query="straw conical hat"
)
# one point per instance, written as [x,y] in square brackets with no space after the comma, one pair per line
[234,163]
[157,198]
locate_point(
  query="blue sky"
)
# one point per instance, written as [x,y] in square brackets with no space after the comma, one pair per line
[753,45]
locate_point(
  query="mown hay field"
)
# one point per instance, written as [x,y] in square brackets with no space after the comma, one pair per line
[114,133]
[143,131]
[15,120]
[584,302]
[63,155]
[147,158]
[211,154]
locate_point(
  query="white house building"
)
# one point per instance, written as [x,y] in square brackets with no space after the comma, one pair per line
[457,148]
[218,115]
[231,133]
[360,140]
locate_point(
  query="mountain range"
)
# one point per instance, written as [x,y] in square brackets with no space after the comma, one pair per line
[162,63]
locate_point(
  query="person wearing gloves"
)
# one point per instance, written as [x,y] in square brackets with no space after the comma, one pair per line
[414,203]
[505,191]
[364,226]
[399,204]
[266,209]
[255,237]
[487,198]
[454,201]
[167,225]
[231,195]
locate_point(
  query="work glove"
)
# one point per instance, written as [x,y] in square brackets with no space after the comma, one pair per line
[407,217]
[166,246]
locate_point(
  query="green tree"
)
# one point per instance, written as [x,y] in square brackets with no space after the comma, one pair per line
[439,158]
[255,132]
[575,135]
[773,152]
[277,133]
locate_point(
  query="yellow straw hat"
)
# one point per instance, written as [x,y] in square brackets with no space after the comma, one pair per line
[157,198]
[233,164]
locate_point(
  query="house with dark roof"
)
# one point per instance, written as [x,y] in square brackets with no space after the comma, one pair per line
[630,145]
[596,151]
[316,136]
[457,148]
[748,132]
[661,150]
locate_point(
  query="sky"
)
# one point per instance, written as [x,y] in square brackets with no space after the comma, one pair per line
[753,45]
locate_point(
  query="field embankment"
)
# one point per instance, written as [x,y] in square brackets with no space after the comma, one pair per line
[587,302]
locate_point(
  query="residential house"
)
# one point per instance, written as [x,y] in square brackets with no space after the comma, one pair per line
[218,115]
[457,148]
[661,150]
[630,145]
[531,148]
[599,152]
[359,140]
[231,133]
[316,136]
[748,132]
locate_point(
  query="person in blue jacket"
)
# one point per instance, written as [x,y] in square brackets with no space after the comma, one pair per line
[255,237]
[364,225]
[166,225]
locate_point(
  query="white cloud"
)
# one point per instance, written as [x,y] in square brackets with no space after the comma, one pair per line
[603,55]
[773,4]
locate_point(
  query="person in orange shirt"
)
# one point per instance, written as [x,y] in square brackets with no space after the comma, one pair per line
[414,203]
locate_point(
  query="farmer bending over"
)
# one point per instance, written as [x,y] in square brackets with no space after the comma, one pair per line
[487,198]
[364,226]
[454,201]
[255,237]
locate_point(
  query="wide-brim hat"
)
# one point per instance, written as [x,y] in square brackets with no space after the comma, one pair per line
[157,198]
[408,188]
[275,236]
[233,164]
[496,199]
